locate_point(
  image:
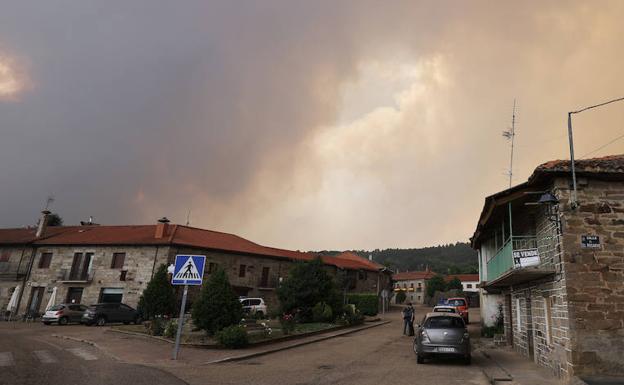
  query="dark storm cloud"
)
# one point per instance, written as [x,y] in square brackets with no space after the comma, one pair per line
[137,110]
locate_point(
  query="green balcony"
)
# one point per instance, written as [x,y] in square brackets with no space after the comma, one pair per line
[502,262]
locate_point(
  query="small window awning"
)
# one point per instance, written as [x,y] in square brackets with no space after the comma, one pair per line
[515,277]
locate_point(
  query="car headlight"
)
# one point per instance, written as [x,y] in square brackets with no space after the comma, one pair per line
[425,337]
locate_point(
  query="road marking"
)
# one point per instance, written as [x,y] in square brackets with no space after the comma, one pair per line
[6,359]
[45,357]
[78,352]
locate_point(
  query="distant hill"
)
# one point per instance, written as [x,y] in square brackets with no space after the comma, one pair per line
[445,259]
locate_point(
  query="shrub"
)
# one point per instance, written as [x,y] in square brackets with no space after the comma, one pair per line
[401,297]
[233,337]
[158,298]
[367,304]
[455,283]
[308,284]
[288,323]
[436,283]
[155,327]
[322,312]
[217,306]
[171,329]
[351,316]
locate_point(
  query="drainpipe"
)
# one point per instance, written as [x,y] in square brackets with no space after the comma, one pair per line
[510,225]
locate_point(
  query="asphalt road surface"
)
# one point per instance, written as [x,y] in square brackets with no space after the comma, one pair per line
[30,359]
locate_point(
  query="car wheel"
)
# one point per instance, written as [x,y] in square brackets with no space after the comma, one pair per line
[468,359]
[63,321]
[420,359]
[101,321]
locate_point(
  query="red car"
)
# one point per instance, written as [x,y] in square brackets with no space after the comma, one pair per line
[461,305]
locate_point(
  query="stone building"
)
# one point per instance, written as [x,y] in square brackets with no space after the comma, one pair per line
[91,264]
[555,267]
[413,283]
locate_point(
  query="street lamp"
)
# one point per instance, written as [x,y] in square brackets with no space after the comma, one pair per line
[574,202]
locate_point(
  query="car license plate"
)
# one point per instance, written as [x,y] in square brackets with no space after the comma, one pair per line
[446,350]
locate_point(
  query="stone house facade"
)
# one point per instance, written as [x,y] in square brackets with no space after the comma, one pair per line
[91,264]
[413,283]
[555,268]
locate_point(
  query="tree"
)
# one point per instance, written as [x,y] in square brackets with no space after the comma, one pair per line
[455,283]
[308,284]
[400,297]
[158,298]
[436,283]
[54,220]
[217,306]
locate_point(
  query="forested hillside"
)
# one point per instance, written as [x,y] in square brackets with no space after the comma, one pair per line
[452,258]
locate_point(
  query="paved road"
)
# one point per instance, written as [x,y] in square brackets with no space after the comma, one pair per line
[376,356]
[28,358]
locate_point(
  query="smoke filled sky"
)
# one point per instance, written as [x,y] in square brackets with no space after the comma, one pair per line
[303,125]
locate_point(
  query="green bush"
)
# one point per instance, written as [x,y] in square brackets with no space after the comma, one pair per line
[351,316]
[367,304]
[288,323]
[322,312]
[171,329]
[155,327]
[217,306]
[233,337]
[158,298]
[307,284]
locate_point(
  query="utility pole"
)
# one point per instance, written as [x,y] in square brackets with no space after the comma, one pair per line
[510,135]
[574,201]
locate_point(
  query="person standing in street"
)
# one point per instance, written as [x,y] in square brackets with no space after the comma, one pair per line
[408,318]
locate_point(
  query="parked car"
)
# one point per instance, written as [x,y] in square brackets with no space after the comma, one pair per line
[102,313]
[444,309]
[63,314]
[462,307]
[442,334]
[254,306]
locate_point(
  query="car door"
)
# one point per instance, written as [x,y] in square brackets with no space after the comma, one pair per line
[126,313]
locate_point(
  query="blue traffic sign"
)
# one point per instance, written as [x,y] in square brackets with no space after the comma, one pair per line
[189,270]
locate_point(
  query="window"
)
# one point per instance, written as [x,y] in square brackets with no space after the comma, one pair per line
[212,267]
[44,261]
[443,322]
[118,260]
[241,271]
[111,295]
[264,280]
[548,303]
[469,285]
[412,285]
[5,256]
[404,286]
[419,284]
[122,275]
[81,266]
[74,294]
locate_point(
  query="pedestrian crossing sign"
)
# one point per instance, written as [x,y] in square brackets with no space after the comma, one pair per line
[189,270]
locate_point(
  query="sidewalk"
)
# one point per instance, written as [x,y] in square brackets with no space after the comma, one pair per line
[503,365]
[138,350]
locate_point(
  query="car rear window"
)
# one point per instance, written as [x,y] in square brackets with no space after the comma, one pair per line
[255,302]
[444,323]
[457,302]
[56,308]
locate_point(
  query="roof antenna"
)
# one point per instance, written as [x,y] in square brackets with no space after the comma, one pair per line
[49,201]
[510,135]
[188,217]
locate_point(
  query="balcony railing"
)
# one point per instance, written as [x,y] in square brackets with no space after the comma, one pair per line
[503,260]
[68,276]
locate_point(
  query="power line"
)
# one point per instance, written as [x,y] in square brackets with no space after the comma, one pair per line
[603,146]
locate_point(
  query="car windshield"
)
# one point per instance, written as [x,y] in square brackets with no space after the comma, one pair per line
[457,302]
[56,308]
[444,323]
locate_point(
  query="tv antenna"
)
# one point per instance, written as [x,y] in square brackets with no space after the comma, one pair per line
[188,217]
[49,201]
[510,135]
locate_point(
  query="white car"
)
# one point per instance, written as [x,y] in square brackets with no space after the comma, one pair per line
[444,309]
[253,306]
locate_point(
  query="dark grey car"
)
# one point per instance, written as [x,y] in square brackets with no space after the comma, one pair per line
[102,313]
[442,334]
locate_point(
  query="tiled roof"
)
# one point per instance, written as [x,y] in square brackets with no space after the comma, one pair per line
[463,277]
[175,235]
[411,275]
[605,164]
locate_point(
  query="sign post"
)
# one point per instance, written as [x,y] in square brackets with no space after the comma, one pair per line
[188,270]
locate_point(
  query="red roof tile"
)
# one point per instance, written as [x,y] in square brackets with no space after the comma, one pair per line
[605,164]
[463,277]
[351,257]
[411,275]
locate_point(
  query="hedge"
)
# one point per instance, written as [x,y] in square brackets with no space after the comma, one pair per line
[367,304]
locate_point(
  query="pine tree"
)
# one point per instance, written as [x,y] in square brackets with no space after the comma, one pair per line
[158,299]
[217,306]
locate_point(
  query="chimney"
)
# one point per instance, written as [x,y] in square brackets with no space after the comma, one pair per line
[161,228]
[370,257]
[43,223]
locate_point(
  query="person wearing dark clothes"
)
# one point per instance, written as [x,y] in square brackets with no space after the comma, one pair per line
[408,318]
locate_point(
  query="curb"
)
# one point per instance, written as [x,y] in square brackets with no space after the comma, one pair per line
[88,342]
[295,345]
[494,379]
[158,338]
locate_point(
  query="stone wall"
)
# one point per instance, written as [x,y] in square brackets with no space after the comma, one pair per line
[14,261]
[595,277]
